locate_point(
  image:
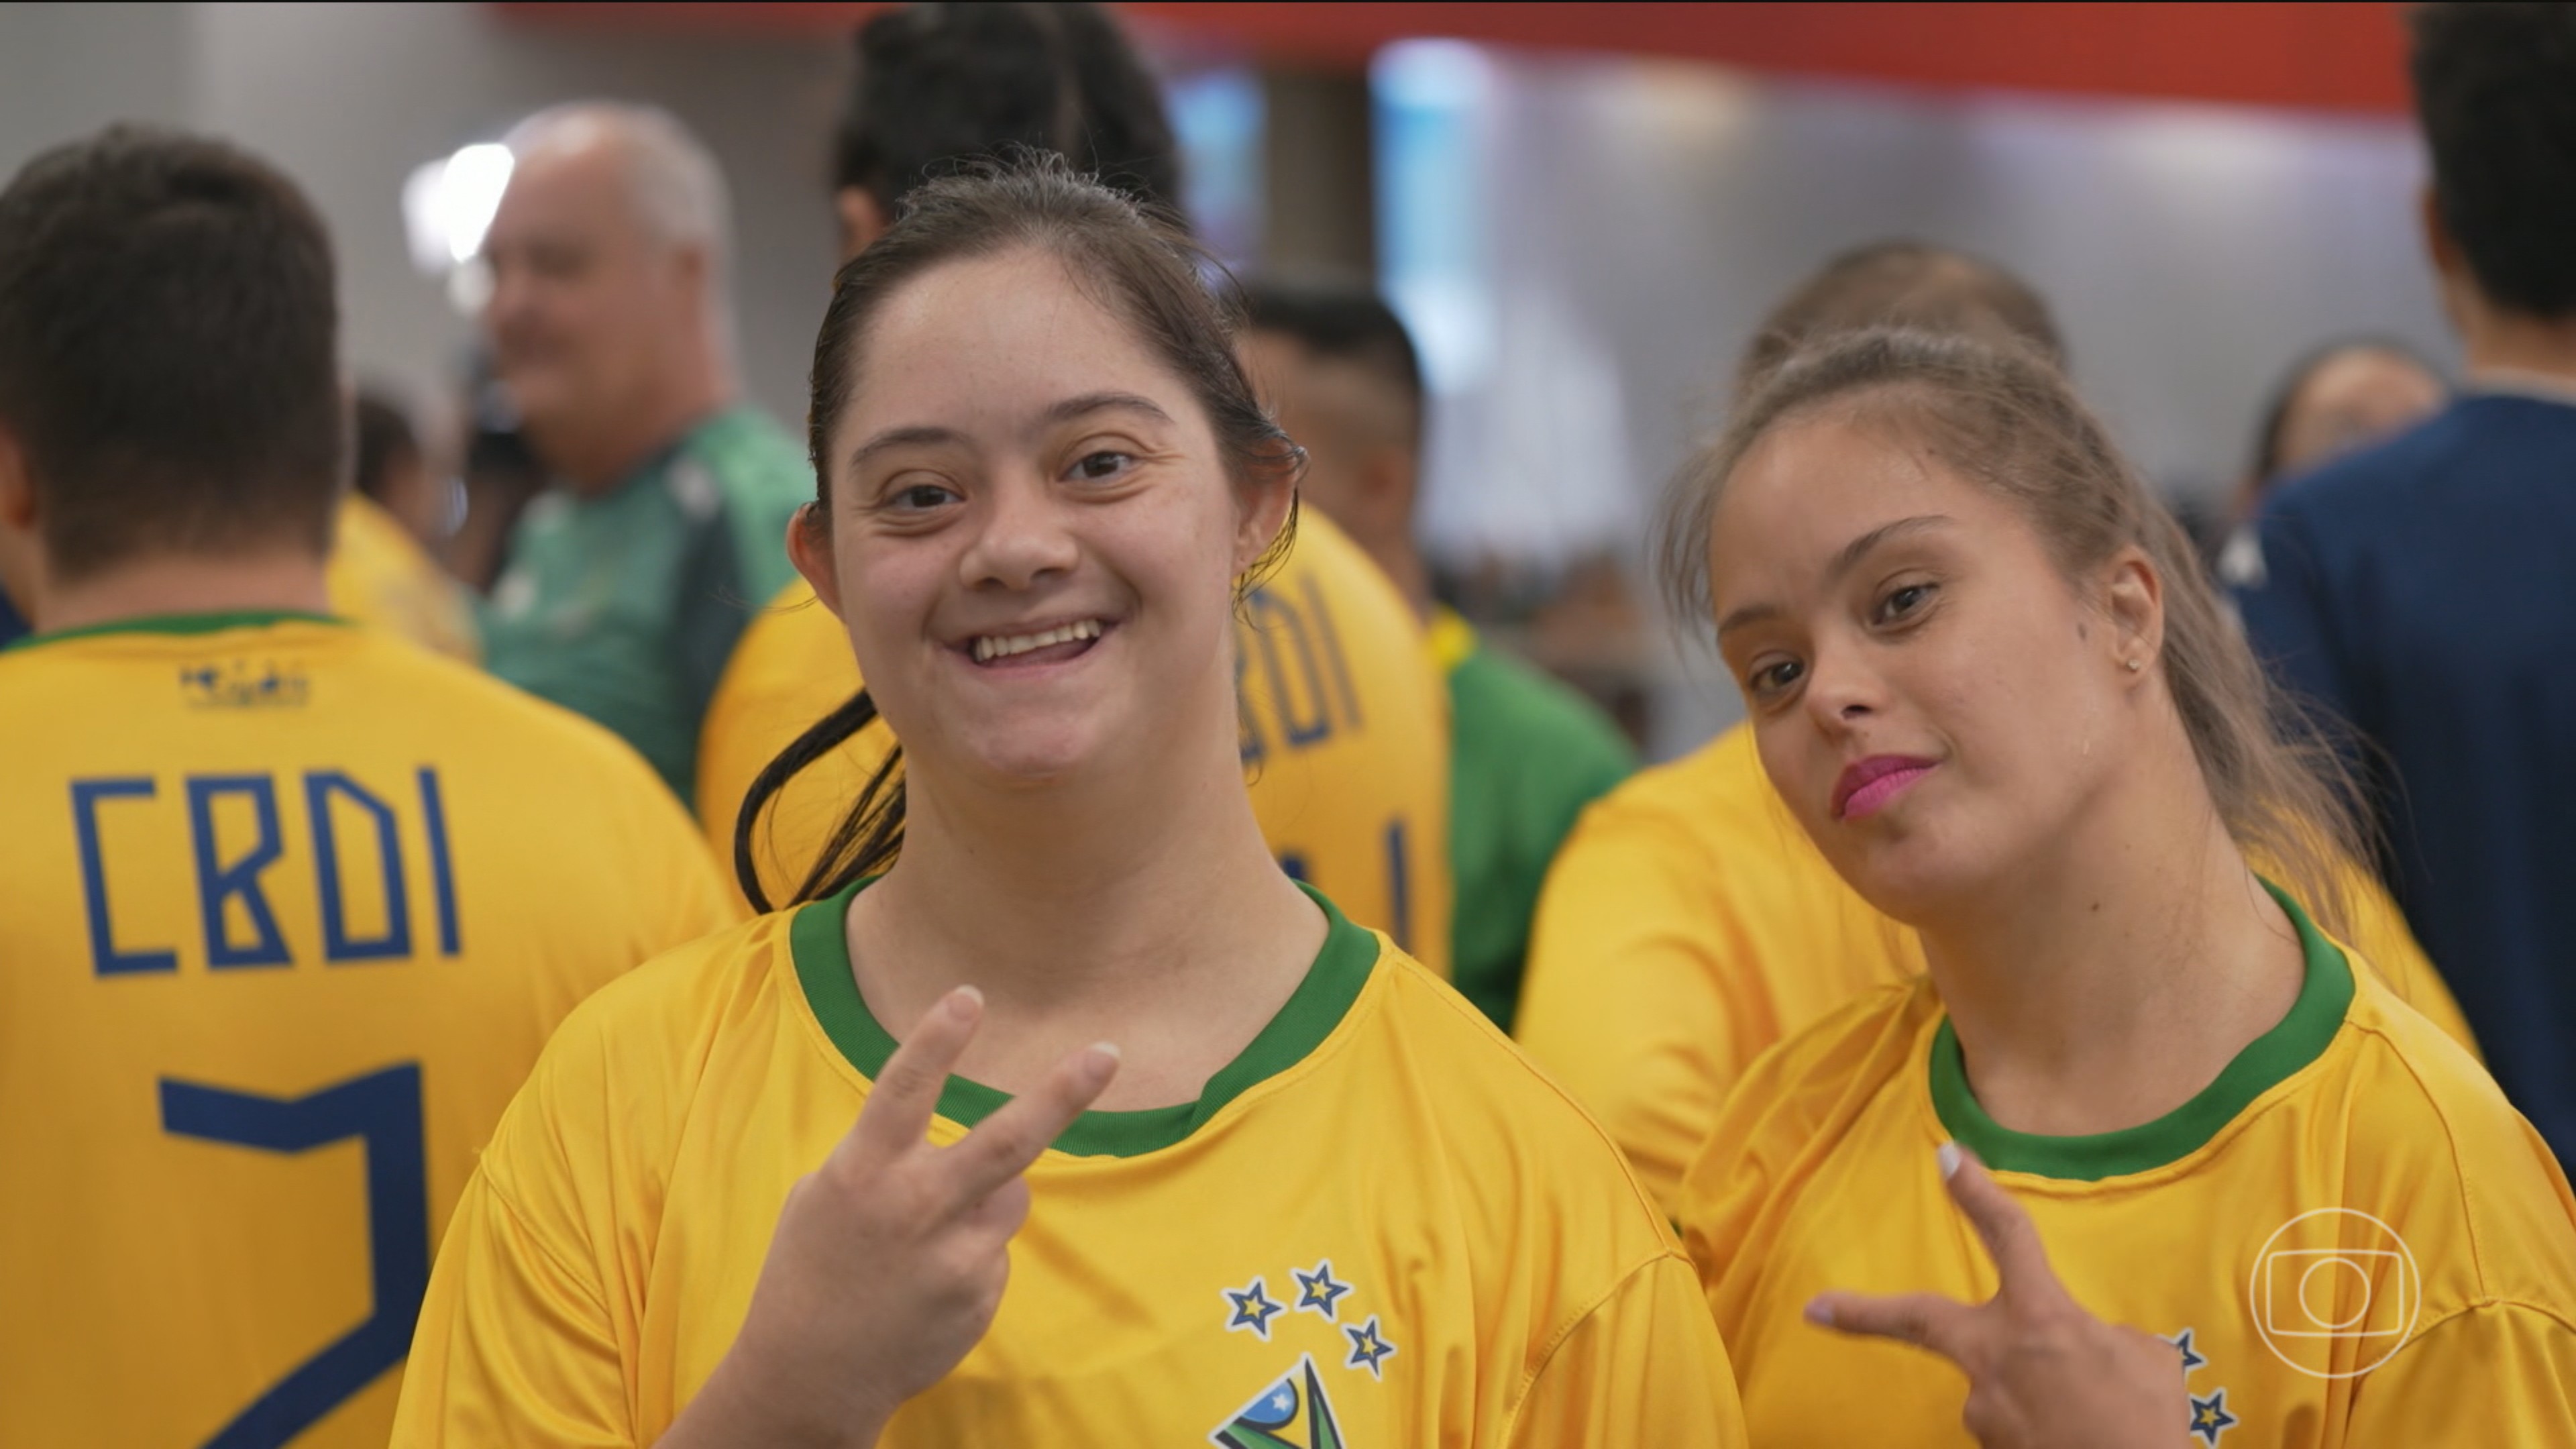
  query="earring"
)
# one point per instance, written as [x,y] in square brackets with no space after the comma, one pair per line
[2134,664]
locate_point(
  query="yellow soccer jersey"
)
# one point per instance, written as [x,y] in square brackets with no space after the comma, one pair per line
[791,667]
[287,910]
[1689,923]
[1345,738]
[1377,1227]
[381,577]
[2349,1236]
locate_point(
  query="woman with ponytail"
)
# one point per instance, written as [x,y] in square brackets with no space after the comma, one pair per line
[2146,1157]
[1077,1121]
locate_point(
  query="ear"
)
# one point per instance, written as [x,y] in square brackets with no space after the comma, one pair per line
[22,551]
[862,220]
[809,547]
[2134,598]
[1264,512]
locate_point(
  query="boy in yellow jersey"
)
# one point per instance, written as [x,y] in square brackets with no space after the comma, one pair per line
[1687,923]
[1345,712]
[1320,1203]
[1990,682]
[287,907]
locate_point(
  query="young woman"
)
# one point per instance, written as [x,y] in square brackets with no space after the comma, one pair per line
[1306,1198]
[1987,679]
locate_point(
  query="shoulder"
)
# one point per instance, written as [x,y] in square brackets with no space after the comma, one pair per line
[2472,1187]
[1711,792]
[749,455]
[2386,474]
[480,711]
[1807,1088]
[1502,1123]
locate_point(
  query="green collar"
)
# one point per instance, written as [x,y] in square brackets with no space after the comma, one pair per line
[2300,1038]
[822,951]
[209,623]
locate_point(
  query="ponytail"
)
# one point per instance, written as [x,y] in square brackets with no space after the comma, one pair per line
[870,832]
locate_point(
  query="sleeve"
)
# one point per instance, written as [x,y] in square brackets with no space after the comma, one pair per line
[1643,1367]
[2290,615]
[681,892]
[2499,1373]
[1617,1003]
[515,1343]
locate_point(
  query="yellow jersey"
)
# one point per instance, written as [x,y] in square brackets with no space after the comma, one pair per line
[2350,1237]
[380,576]
[1345,738]
[287,911]
[1378,1226]
[1689,923]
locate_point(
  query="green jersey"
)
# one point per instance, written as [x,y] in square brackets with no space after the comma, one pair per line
[625,607]
[1526,754]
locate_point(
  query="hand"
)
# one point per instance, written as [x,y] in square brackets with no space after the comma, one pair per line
[2042,1372]
[890,1258]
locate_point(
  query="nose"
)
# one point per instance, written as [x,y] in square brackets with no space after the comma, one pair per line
[1842,689]
[1025,537]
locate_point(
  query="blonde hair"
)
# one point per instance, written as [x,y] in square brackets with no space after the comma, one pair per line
[2005,418]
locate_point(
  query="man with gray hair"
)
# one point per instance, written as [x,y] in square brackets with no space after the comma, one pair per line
[627,580]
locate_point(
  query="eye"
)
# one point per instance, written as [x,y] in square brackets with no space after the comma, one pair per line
[1770,681]
[1102,464]
[1903,602]
[919,497]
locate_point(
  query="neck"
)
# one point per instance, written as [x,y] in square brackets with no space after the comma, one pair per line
[281,579]
[1137,906]
[596,463]
[2495,340]
[2109,981]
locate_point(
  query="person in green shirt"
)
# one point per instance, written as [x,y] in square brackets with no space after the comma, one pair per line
[1527,752]
[628,580]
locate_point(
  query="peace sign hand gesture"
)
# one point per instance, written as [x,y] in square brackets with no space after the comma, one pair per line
[2042,1372]
[890,1258]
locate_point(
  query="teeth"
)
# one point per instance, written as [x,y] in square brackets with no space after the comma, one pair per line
[989,647]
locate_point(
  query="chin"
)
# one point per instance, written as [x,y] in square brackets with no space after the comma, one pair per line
[1912,877]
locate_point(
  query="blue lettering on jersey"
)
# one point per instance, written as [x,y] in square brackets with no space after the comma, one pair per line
[1301,658]
[105,958]
[218,883]
[230,892]
[337,943]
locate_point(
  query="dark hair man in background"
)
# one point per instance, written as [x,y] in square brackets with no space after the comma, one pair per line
[2424,592]
[1526,752]
[610,324]
[270,883]
[382,573]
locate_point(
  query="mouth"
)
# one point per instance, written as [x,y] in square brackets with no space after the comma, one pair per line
[1873,784]
[1051,644]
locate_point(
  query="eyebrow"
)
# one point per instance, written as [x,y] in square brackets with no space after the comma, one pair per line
[926,436]
[1844,561]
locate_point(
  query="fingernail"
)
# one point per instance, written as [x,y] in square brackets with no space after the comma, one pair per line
[1100,1060]
[1820,1312]
[1948,1155]
[965,1003]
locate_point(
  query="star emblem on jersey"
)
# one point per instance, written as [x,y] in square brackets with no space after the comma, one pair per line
[1368,1345]
[1292,1413]
[1253,1308]
[2209,1416]
[1317,1292]
[2192,1358]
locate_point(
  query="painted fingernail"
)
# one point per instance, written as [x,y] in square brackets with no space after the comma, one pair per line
[1948,1155]
[1820,1312]
[965,1003]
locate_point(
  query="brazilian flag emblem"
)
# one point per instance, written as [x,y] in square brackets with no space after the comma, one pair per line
[1275,1419]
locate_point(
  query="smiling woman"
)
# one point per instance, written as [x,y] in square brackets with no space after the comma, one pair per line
[1988,680]
[1308,1192]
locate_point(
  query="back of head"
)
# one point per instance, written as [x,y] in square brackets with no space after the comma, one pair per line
[2495,85]
[1903,284]
[939,85]
[168,358]
[1341,322]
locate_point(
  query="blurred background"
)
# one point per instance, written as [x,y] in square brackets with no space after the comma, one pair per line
[1579,210]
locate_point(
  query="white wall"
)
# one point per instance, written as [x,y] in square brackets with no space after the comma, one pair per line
[349,98]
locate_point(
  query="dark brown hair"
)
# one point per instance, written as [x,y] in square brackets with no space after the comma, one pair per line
[1135,262]
[2008,420]
[168,350]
